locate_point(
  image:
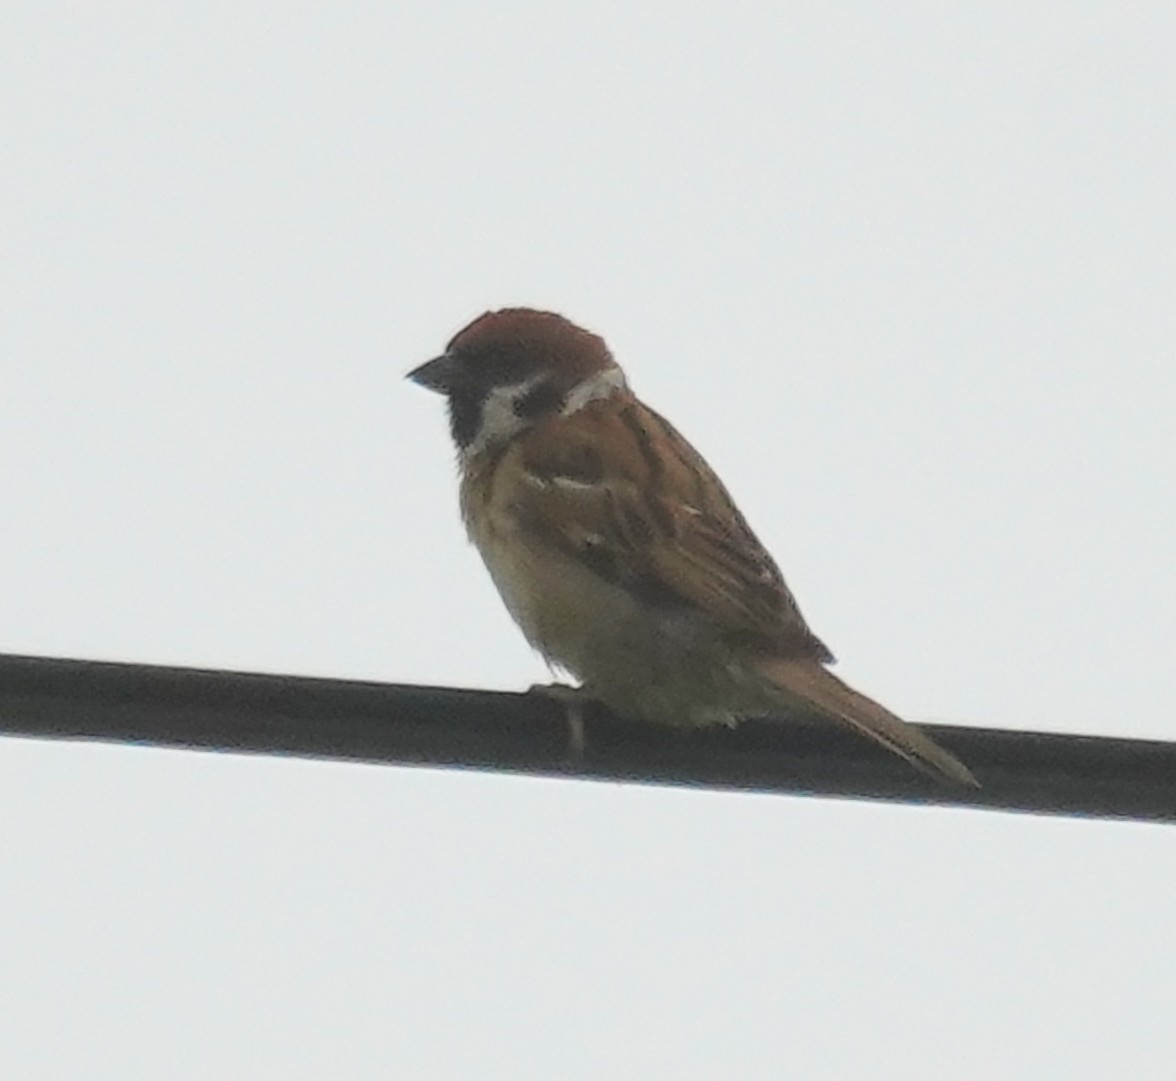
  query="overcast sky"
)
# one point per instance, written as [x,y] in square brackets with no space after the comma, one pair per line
[904,272]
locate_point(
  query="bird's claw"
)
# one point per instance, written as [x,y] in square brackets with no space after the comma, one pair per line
[573,700]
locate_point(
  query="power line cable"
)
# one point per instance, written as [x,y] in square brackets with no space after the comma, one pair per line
[1084,776]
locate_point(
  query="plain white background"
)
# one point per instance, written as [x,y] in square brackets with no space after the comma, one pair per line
[904,273]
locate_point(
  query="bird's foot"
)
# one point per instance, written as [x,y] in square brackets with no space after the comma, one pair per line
[573,700]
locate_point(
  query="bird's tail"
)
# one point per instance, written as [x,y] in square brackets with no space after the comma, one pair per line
[815,685]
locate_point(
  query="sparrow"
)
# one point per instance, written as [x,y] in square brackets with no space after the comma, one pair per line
[619,552]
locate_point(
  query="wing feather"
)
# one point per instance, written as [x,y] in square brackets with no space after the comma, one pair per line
[619,488]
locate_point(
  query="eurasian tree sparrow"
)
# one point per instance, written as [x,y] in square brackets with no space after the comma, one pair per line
[619,552]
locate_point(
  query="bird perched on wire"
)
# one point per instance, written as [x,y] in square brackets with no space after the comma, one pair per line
[619,552]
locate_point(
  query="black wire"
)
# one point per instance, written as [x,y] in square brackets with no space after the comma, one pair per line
[1089,776]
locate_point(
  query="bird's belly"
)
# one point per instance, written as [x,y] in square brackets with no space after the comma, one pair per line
[569,614]
[642,661]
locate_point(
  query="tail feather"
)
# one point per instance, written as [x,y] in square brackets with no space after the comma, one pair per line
[817,686]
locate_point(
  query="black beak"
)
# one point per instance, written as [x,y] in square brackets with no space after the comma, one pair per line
[440,374]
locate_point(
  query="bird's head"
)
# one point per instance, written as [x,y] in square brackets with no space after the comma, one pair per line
[511,369]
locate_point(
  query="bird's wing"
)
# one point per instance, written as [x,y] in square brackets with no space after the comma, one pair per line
[617,487]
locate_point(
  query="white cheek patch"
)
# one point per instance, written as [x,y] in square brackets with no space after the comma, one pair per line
[499,419]
[601,385]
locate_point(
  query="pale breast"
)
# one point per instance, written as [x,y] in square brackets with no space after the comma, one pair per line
[566,612]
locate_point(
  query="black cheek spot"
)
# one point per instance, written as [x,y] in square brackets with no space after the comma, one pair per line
[539,400]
